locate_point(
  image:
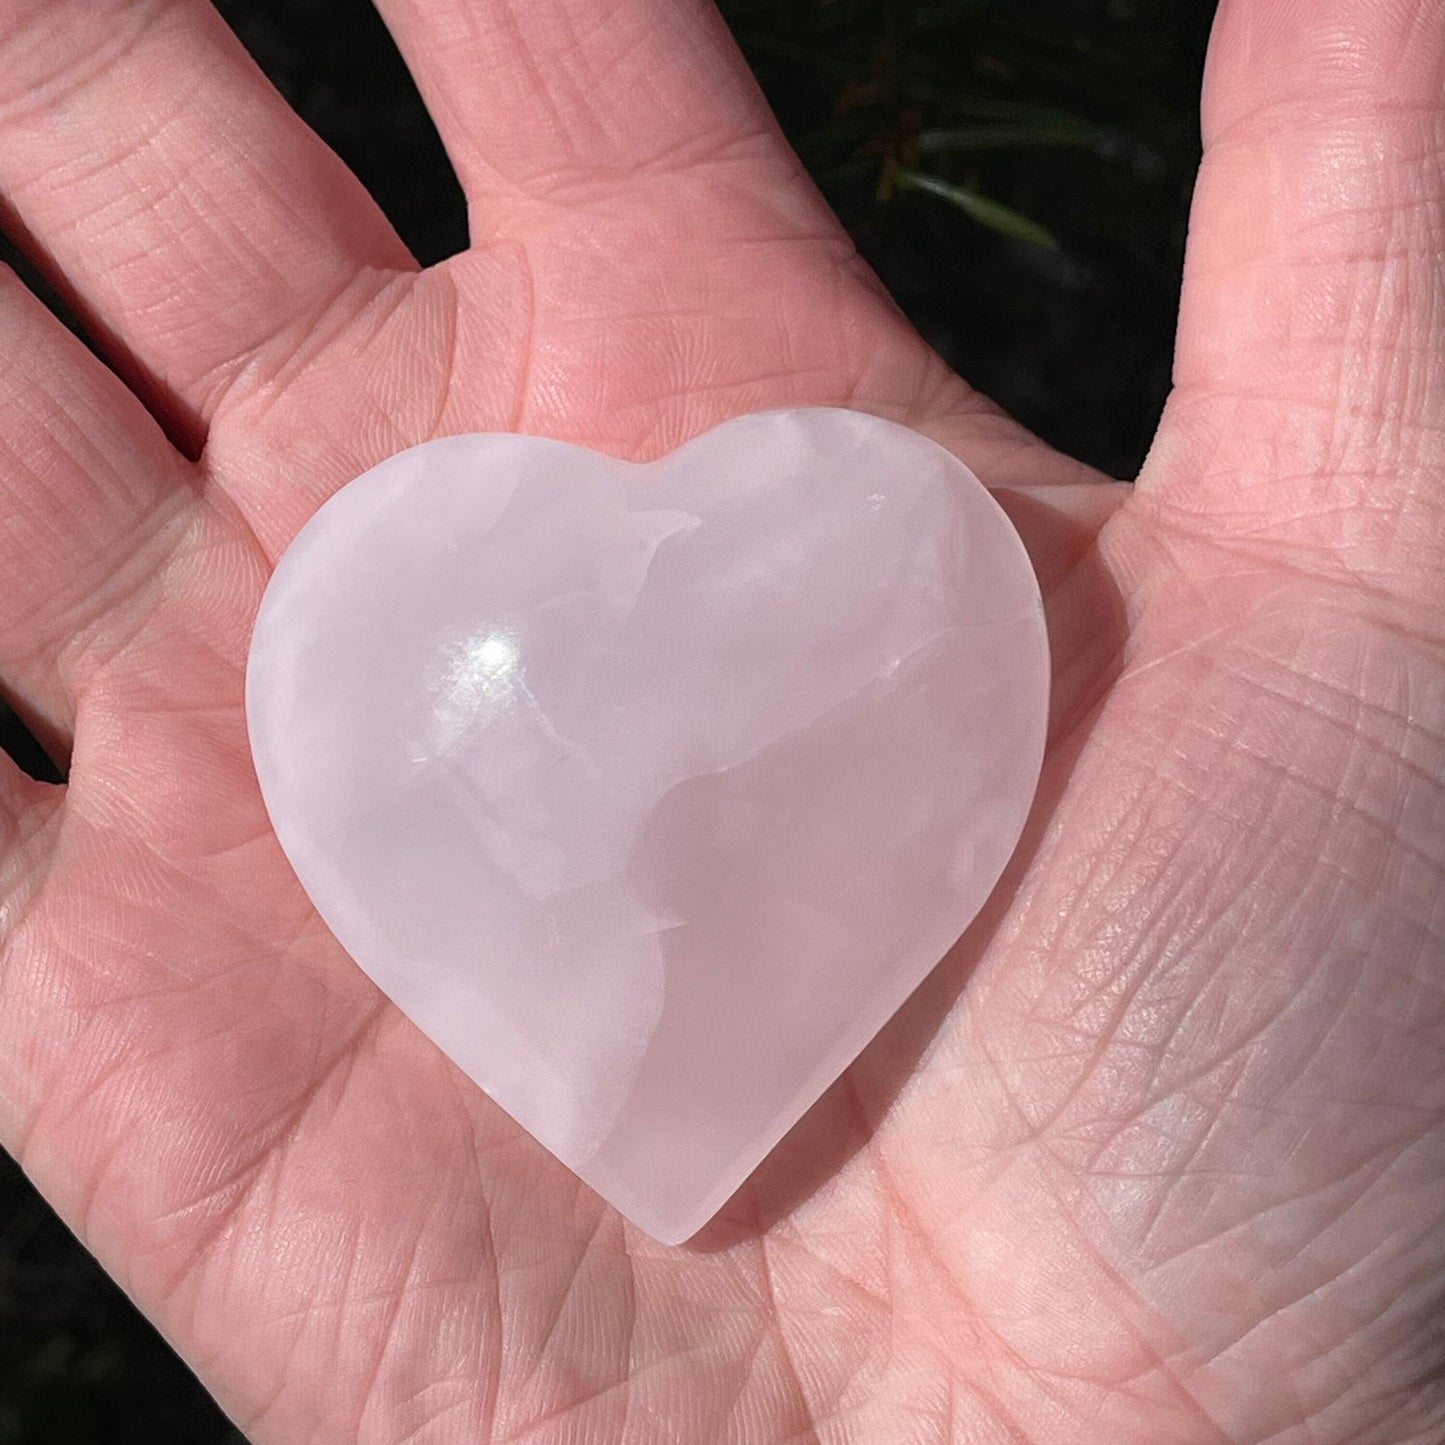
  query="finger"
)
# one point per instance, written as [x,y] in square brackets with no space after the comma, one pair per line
[90,494]
[1311,330]
[560,100]
[197,221]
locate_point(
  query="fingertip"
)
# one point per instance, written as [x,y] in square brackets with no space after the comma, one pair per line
[1321,53]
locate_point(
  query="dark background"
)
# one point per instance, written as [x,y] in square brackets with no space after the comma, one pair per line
[1018,172]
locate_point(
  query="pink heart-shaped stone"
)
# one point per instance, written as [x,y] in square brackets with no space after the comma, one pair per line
[649,792]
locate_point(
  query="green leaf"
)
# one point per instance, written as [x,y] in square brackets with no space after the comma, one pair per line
[1020,112]
[1005,136]
[987,212]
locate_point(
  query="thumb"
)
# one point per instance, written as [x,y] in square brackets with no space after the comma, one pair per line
[1309,406]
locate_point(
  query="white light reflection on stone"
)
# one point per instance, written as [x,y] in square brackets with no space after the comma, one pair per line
[478,683]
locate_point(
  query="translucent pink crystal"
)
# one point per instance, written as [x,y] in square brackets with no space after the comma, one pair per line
[650,792]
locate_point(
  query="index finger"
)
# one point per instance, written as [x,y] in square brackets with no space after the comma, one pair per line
[192,215]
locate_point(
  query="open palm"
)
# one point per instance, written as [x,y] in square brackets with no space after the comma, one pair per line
[1169,1168]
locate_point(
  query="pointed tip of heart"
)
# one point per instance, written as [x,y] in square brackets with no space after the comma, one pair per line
[677,1226]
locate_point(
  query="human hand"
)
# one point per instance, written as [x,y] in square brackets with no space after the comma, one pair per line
[1168,1169]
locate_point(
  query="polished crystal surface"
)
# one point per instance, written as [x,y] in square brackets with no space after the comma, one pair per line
[649,792]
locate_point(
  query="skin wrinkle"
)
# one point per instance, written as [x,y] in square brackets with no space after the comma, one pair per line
[1320,1287]
[730,164]
[792,1380]
[572,1407]
[159,121]
[874,1303]
[234,1201]
[1152,1363]
[51,92]
[1334,1347]
[122,544]
[1325,417]
[505,29]
[1126,968]
[97,643]
[1326,1402]
[291,1354]
[345,1055]
[1282,774]
[268,362]
[385,1337]
[1300,561]
[548,1332]
[233,1192]
[490,1346]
